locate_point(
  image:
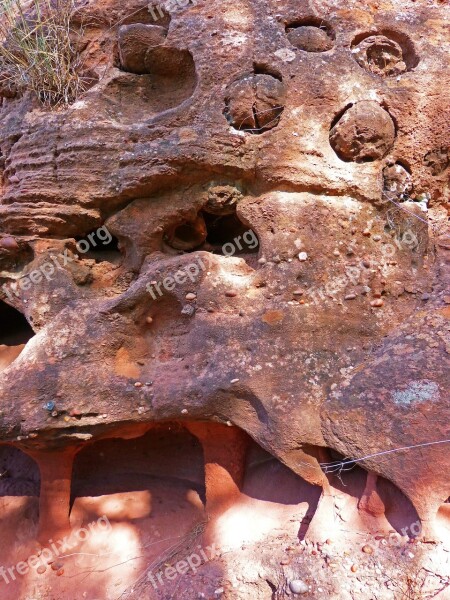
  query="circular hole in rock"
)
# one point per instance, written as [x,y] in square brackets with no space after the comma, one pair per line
[227,235]
[99,245]
[310,35]
[188,235]
[364,132]
[386,53]
[155,77]
[217,228]
[255,103]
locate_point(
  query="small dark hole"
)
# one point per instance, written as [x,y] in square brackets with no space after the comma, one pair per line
[229,229]
[99,245]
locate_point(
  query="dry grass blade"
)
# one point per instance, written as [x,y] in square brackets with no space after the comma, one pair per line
[38,50]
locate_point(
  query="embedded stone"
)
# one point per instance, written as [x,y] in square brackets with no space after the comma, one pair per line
[364,133]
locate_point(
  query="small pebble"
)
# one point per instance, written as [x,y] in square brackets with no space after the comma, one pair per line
[377,303]
[230,293]
[350,297]
[188,310]
[234,380]
[191,296]
[376,238]
[262,260]
[184,411]
[366,233]
[298,292]
[9,243]
[367,549]
[302,256]
[138,384]
[149,320]
[41,569]
[297,586]
[353,568]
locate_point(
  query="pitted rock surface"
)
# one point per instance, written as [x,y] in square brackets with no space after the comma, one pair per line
[288,289]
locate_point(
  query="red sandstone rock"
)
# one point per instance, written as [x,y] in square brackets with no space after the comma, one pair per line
[343,192]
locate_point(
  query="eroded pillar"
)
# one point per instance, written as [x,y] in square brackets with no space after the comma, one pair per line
[224,450]
[54,502]
[370,501]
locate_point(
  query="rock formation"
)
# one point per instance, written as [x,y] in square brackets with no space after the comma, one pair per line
[225,304]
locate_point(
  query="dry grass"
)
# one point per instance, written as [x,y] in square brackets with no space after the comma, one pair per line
[38,49]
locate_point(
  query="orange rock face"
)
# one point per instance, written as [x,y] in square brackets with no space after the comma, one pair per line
[231,253]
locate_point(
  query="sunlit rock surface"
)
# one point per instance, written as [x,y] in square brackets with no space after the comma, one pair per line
[224,307]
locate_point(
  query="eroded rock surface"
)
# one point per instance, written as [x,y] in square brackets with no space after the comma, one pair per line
[226,268]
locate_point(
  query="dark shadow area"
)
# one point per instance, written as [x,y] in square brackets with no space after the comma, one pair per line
[100,246]
[14,328]
[19,474]
[267,479]
[225,235]
[399,511]
[165,456]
